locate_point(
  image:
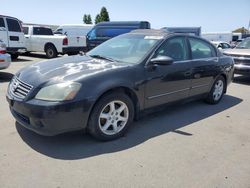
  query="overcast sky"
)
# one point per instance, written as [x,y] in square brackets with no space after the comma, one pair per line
[211,15]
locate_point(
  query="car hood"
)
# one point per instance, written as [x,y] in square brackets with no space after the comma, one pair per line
[237,52]
[72,68]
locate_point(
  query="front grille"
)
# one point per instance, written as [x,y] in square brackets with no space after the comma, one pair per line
[19,89]
[242,61]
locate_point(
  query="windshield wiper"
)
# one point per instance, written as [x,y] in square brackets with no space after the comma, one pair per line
[102,57]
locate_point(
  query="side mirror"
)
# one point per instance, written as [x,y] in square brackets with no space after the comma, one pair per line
[162,60]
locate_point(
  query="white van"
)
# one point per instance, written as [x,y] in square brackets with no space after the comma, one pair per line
[74,30]
[11,33]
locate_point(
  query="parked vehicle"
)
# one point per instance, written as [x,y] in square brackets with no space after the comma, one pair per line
[218,36]
[241,55]
[42,39]
[196,31]
[221,45]
[5,58]
[74,30]
[12,35]
[104,90]
[106,30]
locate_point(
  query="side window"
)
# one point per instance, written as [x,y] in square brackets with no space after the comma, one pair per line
[42,31]
[2,22]
[92,34]
[58,31]
[201,49]
[225,45]
[13,25]
[174,48]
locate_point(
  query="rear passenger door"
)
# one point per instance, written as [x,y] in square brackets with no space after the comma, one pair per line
[3,31]
[204,65]
[15,34]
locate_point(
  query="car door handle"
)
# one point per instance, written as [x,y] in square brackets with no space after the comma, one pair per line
[187,73]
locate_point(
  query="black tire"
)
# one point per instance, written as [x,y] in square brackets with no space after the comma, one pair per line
[212,98]
[14,56]
[94,124]
[51,51]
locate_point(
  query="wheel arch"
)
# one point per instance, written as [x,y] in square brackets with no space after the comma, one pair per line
[49,44]
[123,89]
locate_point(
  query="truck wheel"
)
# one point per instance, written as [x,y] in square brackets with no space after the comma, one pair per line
[51,51]
[14,56]
[111,116]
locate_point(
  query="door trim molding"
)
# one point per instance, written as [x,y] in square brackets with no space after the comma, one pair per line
[169,93]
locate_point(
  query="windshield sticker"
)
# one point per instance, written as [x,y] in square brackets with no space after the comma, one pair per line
[153,37]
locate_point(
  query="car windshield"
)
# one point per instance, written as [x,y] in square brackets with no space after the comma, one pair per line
[128,48]
[244,44]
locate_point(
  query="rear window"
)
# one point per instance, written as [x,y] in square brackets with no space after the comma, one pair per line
[13,25]
[42,31]
[2,22]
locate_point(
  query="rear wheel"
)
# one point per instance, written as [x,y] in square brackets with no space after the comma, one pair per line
[217,91]
[111,116]
[14,56]
[51,51]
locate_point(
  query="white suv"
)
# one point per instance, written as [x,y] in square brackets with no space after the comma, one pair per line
[11,33]
[4,57]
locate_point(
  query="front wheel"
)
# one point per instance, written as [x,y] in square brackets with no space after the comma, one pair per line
[217,91]
[111,116]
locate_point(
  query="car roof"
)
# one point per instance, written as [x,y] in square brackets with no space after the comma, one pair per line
[159,32]
[10,17]
[151,32]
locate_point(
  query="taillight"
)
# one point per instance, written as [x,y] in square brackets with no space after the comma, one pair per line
[65,41]
[2,51]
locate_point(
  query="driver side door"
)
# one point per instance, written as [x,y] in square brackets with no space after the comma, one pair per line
[169,83]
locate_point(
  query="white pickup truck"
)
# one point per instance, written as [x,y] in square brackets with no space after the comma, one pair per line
[42,39]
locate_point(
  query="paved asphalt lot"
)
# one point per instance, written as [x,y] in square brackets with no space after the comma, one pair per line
[189,145]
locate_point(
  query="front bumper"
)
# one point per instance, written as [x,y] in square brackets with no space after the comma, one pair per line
[67,50]
[5,60]
[242,69]
[50,118]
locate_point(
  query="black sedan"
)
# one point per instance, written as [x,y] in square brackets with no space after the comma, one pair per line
[106,89]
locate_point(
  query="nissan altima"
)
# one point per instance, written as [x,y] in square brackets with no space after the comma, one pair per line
[104,90]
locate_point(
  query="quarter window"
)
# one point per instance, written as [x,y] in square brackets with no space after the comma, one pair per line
[201,49]
[2,22]
[13,25]
[174,48]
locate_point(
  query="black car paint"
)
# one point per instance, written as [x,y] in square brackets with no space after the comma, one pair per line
[148,85]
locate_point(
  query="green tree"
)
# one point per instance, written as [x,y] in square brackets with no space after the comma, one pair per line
[87,19]
[97,19]
[103,16]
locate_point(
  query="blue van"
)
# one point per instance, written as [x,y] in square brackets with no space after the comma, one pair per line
[106,30]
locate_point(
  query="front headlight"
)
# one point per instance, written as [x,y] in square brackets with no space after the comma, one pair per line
[59,92]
